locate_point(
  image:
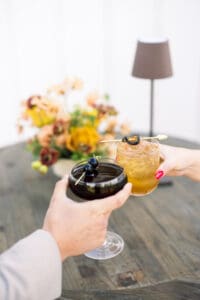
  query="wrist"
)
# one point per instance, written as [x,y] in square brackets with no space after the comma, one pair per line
[62,256]
[193,164]
[52,237]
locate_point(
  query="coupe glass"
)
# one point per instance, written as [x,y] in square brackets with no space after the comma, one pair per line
[140,163]
[108,180]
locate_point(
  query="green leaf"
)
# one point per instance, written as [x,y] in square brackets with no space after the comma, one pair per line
[34,147]
[79,156]
[63,152]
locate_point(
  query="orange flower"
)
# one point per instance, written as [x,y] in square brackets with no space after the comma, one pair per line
[59,89]
[65,86]
[58,127]
[44,135]
[77,84]
[92,98]
[125,129]
[60,140]
[111,126]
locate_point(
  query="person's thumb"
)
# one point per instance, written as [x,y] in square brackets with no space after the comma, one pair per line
[60,188]
[113,202]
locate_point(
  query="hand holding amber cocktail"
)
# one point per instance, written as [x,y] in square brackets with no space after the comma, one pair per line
[140,162]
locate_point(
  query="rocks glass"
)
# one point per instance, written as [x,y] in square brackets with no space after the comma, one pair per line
[140,163]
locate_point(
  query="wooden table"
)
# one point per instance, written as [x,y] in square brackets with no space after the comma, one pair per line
[161,258]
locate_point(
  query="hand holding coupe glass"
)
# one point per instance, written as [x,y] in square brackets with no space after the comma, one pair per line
[137,160]
[97,179]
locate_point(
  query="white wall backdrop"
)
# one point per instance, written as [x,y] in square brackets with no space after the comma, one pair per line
[177,99]
[42,41]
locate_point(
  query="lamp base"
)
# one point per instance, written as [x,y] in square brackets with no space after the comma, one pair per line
[165,181]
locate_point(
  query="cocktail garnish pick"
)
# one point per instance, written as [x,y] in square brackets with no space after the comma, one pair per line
[79,179]
[159,137]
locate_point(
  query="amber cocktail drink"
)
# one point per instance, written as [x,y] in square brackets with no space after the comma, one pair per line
[140,163]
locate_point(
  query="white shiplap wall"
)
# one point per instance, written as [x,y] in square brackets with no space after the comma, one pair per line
[42,41]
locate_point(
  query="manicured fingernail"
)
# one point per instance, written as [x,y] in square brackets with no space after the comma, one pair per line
[159,174]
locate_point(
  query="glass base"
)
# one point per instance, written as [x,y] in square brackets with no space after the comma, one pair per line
[112,246]
[145,194]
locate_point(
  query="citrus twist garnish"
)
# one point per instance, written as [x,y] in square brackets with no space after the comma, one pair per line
[134,140]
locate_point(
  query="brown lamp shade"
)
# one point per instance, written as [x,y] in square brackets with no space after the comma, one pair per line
[152,60]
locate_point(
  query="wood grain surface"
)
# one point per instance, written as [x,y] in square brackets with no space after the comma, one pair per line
[161,257]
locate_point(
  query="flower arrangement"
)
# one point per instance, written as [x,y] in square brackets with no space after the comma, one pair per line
[63,133]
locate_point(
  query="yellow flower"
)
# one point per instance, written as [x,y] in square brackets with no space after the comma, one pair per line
[91,118]
[92,113]
[83,139]
[41,110]
[40,117]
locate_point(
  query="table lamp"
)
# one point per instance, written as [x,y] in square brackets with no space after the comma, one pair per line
[152,61]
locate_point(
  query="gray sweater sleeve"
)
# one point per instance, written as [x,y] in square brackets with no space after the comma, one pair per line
[31,269]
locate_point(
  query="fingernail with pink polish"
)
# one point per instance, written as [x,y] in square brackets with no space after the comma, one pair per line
[159,174]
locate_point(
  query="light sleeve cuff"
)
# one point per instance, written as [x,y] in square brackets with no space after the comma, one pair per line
[31,269]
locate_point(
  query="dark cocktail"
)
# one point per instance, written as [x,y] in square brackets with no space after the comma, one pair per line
[95,179]
[104,180]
